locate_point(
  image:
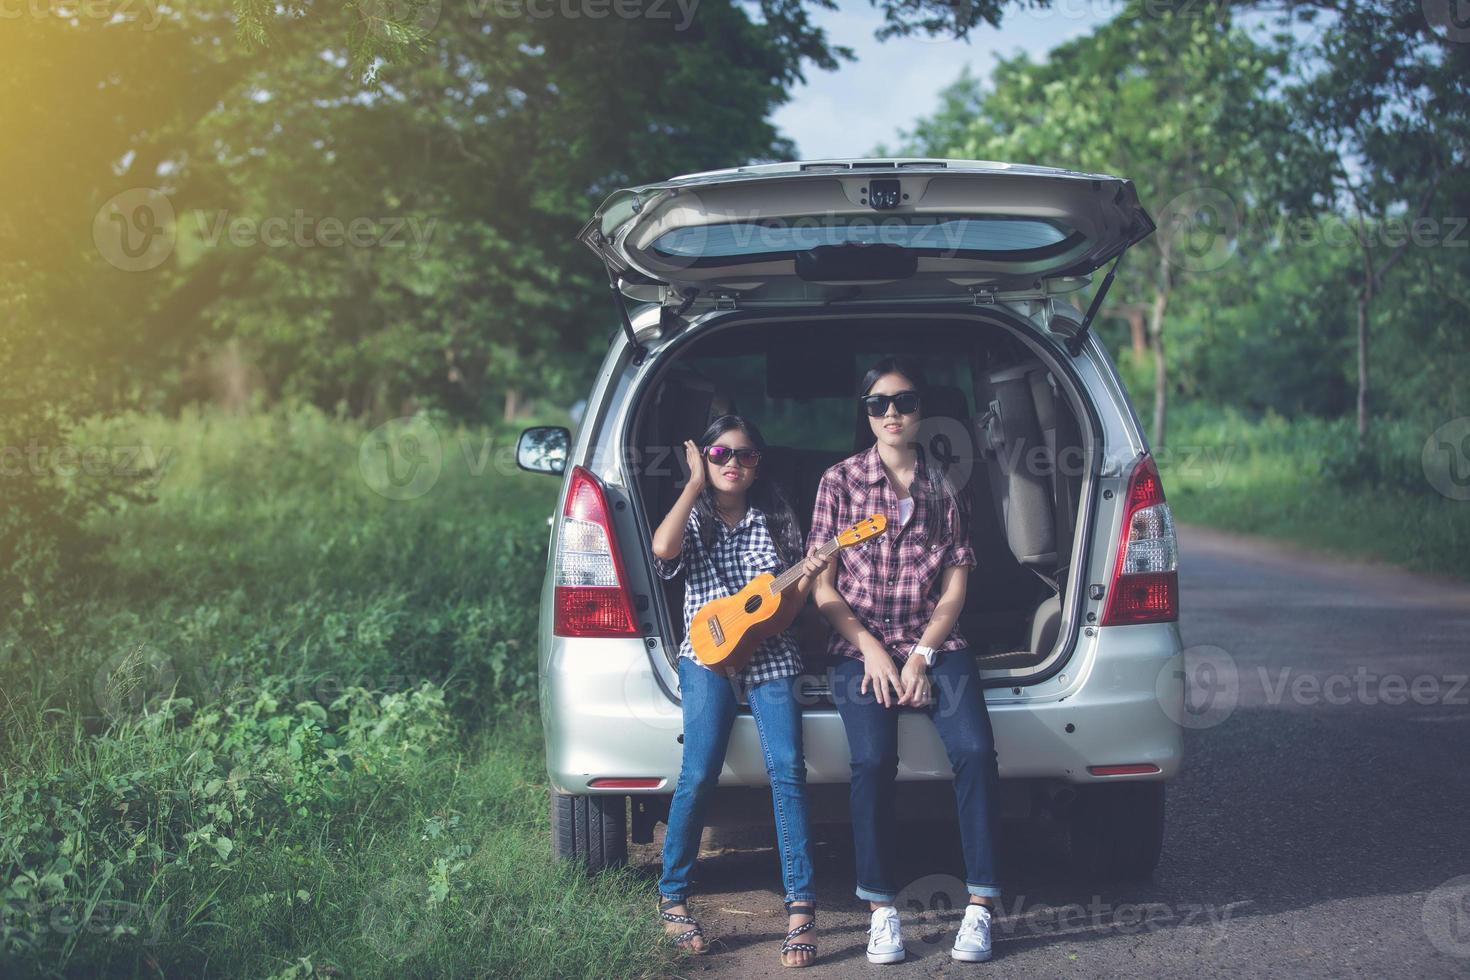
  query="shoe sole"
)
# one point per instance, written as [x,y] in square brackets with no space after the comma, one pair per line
[965,956]
[887,957]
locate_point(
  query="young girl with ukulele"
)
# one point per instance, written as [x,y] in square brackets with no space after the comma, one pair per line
[728,526]
[893,604]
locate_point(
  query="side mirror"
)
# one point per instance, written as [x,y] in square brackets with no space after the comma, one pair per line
[543,449]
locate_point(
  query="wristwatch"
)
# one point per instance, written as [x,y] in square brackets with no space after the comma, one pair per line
[928,653]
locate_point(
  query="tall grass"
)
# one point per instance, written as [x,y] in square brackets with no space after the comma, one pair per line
[289,729]
[1308,480]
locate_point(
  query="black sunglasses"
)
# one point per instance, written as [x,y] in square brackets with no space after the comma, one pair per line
[907,403]
[720,455]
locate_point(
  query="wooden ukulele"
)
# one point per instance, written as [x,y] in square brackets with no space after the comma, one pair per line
[726,632]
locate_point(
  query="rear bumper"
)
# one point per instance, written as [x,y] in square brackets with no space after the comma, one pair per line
[605,716]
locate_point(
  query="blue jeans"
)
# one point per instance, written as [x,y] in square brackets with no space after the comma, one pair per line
[958,711]
[709,711]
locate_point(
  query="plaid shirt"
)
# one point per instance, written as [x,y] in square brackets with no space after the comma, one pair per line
[892,582]
[739,554]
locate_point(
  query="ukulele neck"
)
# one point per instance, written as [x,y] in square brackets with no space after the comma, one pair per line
[790,577]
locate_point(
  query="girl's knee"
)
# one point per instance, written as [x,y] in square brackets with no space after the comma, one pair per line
[698,776]
[786,767]
[972,754]
[874,765]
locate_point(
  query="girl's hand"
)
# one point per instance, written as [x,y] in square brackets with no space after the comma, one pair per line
[918,690]
[695,460]
[880,672]
[811,567]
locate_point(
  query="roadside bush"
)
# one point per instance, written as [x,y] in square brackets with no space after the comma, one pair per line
[117,836]
[287,716]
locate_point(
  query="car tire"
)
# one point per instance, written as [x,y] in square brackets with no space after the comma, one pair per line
[1117,830]
[591,830]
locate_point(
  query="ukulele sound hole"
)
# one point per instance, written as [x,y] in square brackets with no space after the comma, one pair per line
[752,604]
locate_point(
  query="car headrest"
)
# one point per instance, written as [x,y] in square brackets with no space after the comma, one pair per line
[946,401]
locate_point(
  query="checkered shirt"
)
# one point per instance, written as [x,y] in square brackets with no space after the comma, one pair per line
[738,555]
[892,581]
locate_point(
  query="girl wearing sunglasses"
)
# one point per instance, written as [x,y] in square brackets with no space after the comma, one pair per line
[728,526]
[893,603]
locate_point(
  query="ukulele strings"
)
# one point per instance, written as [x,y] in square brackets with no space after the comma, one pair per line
[740,616]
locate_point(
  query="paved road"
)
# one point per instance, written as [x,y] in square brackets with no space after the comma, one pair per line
[1318,829]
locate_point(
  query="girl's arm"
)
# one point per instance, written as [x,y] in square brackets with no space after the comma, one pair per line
[668,539]
[879,670]
[835,608]
[952,586]
[947,610]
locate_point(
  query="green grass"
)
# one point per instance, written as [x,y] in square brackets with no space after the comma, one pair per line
[1305,481]
[289,728]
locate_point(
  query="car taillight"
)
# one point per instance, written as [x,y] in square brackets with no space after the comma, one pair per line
[590,599]
[1145,586]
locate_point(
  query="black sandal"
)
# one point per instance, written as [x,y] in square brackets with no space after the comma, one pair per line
[788,946]
[684,940]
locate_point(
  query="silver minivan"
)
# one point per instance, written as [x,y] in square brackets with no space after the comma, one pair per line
[767,290]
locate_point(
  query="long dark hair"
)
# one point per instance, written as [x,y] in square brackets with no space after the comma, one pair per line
[764,493]
[938,489]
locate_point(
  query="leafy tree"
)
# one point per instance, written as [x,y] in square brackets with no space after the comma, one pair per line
[1175,101]
[1380,98]
[187,178]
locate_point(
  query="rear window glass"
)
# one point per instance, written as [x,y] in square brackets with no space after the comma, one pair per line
[925,233]
[825,421]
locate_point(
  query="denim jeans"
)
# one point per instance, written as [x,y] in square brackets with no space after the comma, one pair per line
[709,711]
[958,712]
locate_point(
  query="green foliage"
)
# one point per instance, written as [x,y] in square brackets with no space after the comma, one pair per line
[327,581]
[1250,143]
[1305,481]
[291,726]
[1175,101]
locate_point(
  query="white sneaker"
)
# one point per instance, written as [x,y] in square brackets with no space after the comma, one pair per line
[885,941]
[972,945]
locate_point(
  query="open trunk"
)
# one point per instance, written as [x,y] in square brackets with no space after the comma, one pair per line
[998,412]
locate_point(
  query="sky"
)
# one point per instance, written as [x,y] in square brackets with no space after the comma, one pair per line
[848,112]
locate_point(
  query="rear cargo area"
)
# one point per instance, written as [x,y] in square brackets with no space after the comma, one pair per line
[1001,418]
